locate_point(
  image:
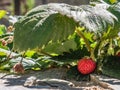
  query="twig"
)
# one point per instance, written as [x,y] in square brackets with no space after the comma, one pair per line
[99,82]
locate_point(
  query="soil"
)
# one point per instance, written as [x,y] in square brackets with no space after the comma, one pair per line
[55,79]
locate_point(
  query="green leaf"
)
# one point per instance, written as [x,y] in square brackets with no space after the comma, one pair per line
[55,22]
[119,43]
[89,36]
[30,4]
[93,44]
[113,1]
[115,9]
[36,33]
[110,51]
[2,30]
[2,13]
[2,54]
[29,53]
[113,31]
[5,67]
[59,48]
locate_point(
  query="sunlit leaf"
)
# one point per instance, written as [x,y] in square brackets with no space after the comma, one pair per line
[89,36]
[93,44]
[2,30]
[29,53]
[3,53]
[113,1]
[2,13]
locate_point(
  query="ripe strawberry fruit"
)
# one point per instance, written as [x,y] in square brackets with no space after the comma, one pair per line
[18,68]
[86,65]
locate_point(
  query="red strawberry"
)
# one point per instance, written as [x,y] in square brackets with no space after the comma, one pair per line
[86,65]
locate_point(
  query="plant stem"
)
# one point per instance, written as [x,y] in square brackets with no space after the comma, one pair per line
[22,57]
[85,40]
[45,53]
[87,44]
[9,55]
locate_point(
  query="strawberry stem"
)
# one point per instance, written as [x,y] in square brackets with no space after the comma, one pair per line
[22,57]
[87,44]
[44,53]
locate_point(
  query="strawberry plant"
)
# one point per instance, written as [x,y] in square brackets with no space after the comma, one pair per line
[51,30]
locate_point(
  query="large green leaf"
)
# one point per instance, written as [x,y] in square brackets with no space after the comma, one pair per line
[53,22]
[115,9]
[36,30]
